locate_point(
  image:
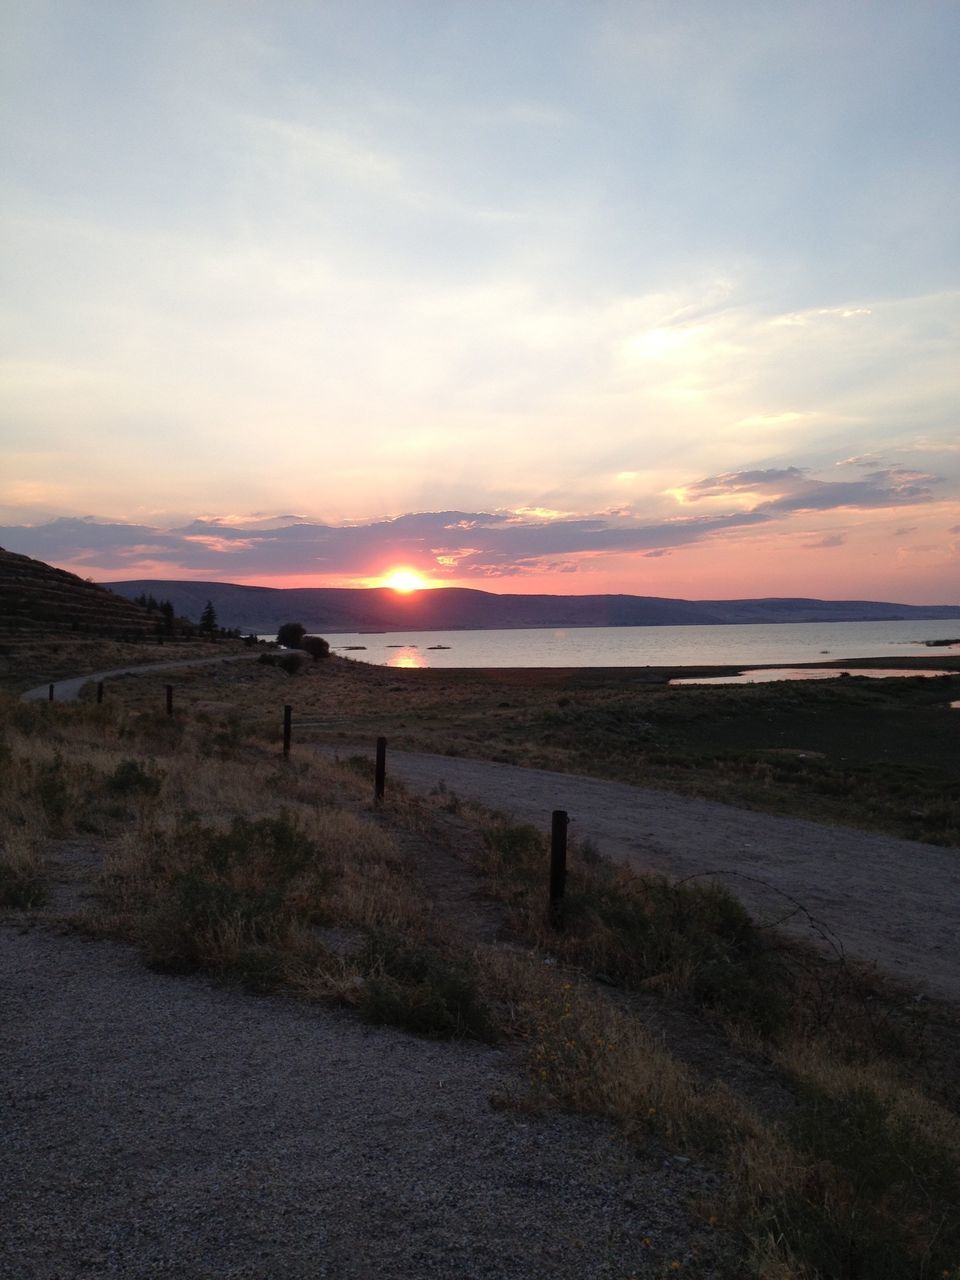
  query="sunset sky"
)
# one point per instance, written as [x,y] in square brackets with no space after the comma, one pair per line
[653,297]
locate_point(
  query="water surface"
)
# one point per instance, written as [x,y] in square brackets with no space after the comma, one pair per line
[785,644]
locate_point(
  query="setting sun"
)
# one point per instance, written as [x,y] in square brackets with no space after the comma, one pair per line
[404,580]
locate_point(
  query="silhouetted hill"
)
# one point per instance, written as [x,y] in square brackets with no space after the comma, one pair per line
[337,609]
[36,598]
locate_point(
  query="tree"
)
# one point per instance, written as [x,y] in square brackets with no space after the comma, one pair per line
[316,646]
[290,634]
[208,619]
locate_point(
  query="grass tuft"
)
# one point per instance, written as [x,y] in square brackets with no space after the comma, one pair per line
[417,985]
[23,884]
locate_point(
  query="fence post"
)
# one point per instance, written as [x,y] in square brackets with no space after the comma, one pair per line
[99,692]
[380,775]
[558,866]
[50,694]
[169,699]
[287,730]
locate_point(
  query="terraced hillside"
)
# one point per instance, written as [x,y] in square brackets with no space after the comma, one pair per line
[36,599]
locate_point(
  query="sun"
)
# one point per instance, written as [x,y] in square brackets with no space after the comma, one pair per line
[404,581]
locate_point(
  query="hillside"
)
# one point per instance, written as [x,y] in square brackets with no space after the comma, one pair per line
[36,598]
[333,609]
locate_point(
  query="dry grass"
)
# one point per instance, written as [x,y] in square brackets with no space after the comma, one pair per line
[640,931]
[879,754]
[22,874]
[31,660]
[221,857]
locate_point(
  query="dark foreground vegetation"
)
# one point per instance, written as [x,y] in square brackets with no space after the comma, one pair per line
[826,1100]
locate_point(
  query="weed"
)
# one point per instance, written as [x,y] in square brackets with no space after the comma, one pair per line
[416,985]
[52,791]
[130,778]
[878,1197]
[22,882]
[230,907]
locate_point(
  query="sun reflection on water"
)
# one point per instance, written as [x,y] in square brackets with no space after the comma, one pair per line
[410,659]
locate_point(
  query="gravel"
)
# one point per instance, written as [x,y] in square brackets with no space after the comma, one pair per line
[159,1126]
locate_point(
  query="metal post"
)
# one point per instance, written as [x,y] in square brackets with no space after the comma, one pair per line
[558,866]
[287,730]
[99,692]
[380,777]
[169,699]
[50,694]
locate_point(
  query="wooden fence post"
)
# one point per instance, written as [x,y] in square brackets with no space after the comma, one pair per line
[169,699]
[99,692]
[558,866]
[380,775]
[50,694]
[287,730]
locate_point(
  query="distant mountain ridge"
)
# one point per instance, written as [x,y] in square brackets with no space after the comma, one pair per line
[351,609]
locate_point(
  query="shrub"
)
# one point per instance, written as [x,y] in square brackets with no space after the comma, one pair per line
[22,884]
[879,1197]
[415,985]
[130,777]
[289,662]
[52,792]
[316,646]
[290,634]
[233,907]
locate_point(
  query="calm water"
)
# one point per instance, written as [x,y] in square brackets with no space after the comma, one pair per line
[782,643]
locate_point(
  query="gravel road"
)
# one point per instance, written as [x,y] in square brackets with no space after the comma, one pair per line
[164,1127]
[893,903]
[69,690]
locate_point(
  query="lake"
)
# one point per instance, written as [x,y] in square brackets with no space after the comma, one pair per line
[781,643]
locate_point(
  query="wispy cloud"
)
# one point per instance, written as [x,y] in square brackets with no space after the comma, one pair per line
[794,489]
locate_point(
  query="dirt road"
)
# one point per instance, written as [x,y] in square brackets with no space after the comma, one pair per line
[69,690]
[894,903]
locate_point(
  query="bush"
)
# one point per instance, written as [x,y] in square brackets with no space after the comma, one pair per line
[130,777]
[416,986]
[53,792]
[233,908]
[21,883]
[316,646]
[289,662]
[881,1197]
[290,634]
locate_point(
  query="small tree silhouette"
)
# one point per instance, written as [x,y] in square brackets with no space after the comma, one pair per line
[290,634]
[208,619]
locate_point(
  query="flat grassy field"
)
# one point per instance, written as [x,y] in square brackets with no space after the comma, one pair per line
[883,755]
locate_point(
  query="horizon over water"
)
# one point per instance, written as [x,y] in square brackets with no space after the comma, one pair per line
[714,645]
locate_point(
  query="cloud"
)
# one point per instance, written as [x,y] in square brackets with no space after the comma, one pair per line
[793,489]
[457,544]
[738,481]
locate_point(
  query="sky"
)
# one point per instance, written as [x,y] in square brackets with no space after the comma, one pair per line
[572,296]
